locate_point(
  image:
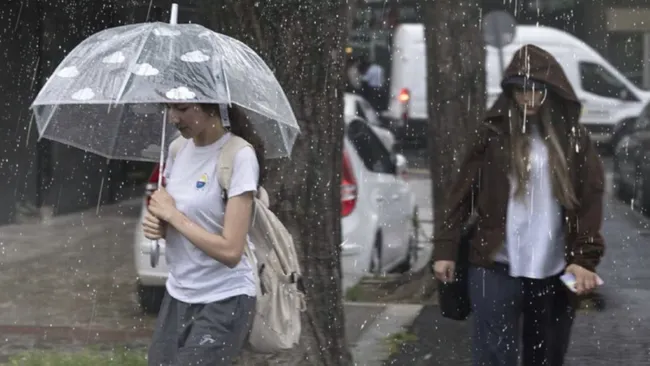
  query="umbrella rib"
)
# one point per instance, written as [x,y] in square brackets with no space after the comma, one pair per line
[134,61]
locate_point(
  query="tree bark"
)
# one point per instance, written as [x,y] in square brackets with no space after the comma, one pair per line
[456,87]
[302,42]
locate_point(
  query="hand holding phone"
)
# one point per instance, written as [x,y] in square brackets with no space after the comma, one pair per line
[569,281]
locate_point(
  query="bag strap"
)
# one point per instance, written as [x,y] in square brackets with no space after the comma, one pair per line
[176,146]
[227,158]
[224,174]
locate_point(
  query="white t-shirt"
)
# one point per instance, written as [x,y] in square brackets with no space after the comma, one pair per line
[194,277]
[534,236]
[374,76]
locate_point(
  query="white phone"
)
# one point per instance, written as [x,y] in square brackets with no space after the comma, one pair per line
[569,281]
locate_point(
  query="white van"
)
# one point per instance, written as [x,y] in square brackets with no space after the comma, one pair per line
[607,96]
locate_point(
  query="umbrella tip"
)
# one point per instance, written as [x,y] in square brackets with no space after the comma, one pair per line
[174,15]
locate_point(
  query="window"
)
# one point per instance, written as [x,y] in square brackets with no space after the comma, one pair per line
[368,113]
[595,79]
[374,154]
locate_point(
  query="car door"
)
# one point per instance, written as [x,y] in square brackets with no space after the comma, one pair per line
[381,186]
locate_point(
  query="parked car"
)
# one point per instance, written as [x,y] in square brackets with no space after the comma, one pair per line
[355,105]
[632,163]
[377,215]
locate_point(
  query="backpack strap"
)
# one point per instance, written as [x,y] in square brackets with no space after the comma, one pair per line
[224,174]
[226,160]
[176,146]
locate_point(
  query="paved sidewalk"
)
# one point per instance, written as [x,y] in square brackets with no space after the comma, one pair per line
[618,335]
[69,282]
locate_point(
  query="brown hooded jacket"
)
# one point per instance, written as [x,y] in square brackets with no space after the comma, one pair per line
[486,167]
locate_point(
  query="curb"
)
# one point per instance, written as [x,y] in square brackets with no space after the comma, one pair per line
[70,334]
[417,172]
[371,348]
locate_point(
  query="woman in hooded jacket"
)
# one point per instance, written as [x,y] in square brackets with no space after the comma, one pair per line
[535,182]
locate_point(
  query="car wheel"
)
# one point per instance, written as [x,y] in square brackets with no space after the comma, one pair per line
[376,256]
[150,298]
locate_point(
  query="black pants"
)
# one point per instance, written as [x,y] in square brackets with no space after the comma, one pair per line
[509,312]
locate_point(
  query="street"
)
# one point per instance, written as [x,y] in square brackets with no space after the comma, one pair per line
[617,335]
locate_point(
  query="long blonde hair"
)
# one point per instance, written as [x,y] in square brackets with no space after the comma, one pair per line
[553,130]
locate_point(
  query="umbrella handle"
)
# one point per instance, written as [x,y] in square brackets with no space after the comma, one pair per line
[154,255]
[155,247]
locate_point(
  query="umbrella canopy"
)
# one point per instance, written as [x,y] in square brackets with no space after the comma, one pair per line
[108,94]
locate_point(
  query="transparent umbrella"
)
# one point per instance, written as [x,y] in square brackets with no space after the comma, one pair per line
[108,95]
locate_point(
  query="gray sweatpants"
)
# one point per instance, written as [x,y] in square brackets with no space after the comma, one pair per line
[201,334]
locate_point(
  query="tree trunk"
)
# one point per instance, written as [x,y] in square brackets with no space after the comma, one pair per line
[456,86]
[302,42]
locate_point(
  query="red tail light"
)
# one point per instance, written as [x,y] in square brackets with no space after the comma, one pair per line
[404,95]
[152,184]
[348,188]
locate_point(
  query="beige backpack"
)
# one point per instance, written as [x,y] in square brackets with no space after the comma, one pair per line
[280,300]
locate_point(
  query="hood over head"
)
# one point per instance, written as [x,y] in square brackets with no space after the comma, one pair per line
[531,66]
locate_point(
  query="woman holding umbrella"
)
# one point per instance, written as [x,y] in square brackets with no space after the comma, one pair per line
[210,299]
[213,87]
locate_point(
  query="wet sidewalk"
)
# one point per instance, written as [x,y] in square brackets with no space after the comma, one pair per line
[617,335]
[69,282]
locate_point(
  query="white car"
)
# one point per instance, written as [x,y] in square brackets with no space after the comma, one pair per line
[377,210]
[378,205]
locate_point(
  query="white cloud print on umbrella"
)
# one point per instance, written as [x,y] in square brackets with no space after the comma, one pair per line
[145,69]
[68,72]
[195,56]
[84,94]
[114,58]
[180,93]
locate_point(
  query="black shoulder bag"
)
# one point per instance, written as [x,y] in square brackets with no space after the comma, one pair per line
[453,297]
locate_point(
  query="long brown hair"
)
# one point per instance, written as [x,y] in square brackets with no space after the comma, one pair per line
[241,126]
[553,127]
